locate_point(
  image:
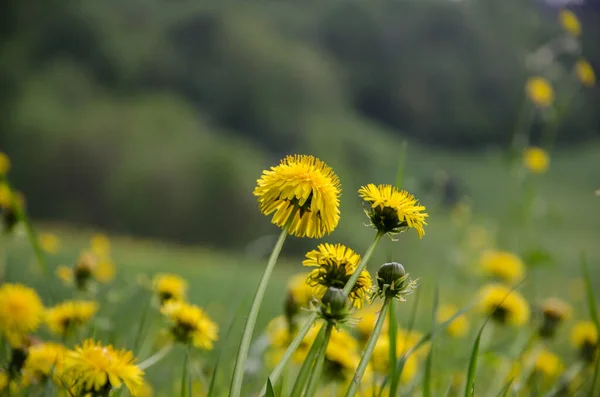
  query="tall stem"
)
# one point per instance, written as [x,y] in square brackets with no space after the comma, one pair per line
[156,357]
[240,362]
[366,357]
[392,341]
[319,362]
[363,263]
[307,365]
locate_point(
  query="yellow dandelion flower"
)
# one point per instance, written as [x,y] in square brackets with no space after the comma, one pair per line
[585,73]
[548,364]
[335,264]
[505,306]
[540,91]
[69,315]
[299,290]
[4,164]
[169,286]
[536,160]
[393,211]
[459,326]
[341,356]
[584,337]
[84,269]
[306,187]
[189,323]
[100,245]
[105,270]
[366,321]
[49,243]
[5,196]
[380,360]
[65,274]
[94,368]
[569,22]
[21,312]
[503,265]
[43,360]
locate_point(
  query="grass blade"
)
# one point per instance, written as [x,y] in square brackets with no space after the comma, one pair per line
[307,365]
[506,389]
[140,331]
[270,391]
[429,360]
[470,386]
[591,300]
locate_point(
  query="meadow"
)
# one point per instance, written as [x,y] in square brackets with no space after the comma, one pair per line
[550,220]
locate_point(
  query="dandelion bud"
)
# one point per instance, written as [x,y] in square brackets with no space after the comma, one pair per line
[554,312]
[84,269]
[584,337]
[334,304]
[391,281]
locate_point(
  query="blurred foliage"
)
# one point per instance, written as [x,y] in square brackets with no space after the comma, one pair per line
[147,116]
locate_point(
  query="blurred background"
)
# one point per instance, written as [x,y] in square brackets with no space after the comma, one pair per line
[155,118]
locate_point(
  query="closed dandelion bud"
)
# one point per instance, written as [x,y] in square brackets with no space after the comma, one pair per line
[334,305]
[554,311]
[84,269]
[391,281]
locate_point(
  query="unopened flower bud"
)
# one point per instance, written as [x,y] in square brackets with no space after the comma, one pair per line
[84,269]
[335,304]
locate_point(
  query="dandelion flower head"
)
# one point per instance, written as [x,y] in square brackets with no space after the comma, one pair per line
[503,265]
[569,22]
[189,323]
[69,315]
[43,360]
[503,304]
[334,265]
[100,245]
[305,187]
[50,243]
[21,312]
[540,91]
[4,164]
[169,286]
[548,364]
[536,160]
[392,210]
[585,73]
[584,336]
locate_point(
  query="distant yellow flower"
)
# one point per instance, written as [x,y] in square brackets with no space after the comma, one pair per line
[504,305]
[4,380]
[393,211]
[366,321]
[49,242]
[585,72]
[43,360]
[84,269]
[306,187]
[569,22]
[4,164]
[381,359]
[169,286]
[335,264]
[21,312]
[299,291]
[105,270]
[5,196]
[94,368]
[459,326]
[65,274]
[536,160]
[100,245]
[584,337]
[548,364]
[341,356]
[503,265]
[540,91]
[189,323]
[556,309]
[280,336]
[69,315]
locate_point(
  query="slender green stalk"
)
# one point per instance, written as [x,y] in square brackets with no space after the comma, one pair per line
[307,365]
[240,362]
[276,373]
[366,357]
[392,332]
[156,357]
[319,362]
[186,382]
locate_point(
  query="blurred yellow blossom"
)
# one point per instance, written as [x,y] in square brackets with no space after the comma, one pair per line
[50,243]
[67,316]
[100,245]
[381,359]
[506,306]
[366,321]
[503,265]
[21,312]
[44,359]
[585,73]
[548,363]
[105,271]
[540,91]
[459,326]
[569,22]
[169,287]
[190,324]
[5,196]
[584,337]
[65,274]
[536,160]
[299,290]
[4,164]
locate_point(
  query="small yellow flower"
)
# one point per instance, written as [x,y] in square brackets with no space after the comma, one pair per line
[5,196]
[94,368]
[43,360]
[105,270]
[69,315]
[65,274]
[189,323]
[21,312]
[100,245]
[50,243]
[569,22]
[380,359]
[548,364]
[84,269]
[335,264]
[536,160]
[584,337]
[169,286]
[585,73]
[540,91]
[306,187]
[299,290]
[504,305]
[393,211]
[503,265]
[4,164]
[459,326]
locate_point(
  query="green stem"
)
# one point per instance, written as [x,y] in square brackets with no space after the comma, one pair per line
[156,357]
[392,341]
[186,381]
[240,362]
[366,357]
[363,263]
[319,362]
[307,365]
[276,373]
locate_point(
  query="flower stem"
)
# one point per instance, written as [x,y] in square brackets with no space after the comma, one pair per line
[240,362]
[156,357]
[392,340]
[276,373]
[366,357]
[307,365]
[319,362]
[363,263]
